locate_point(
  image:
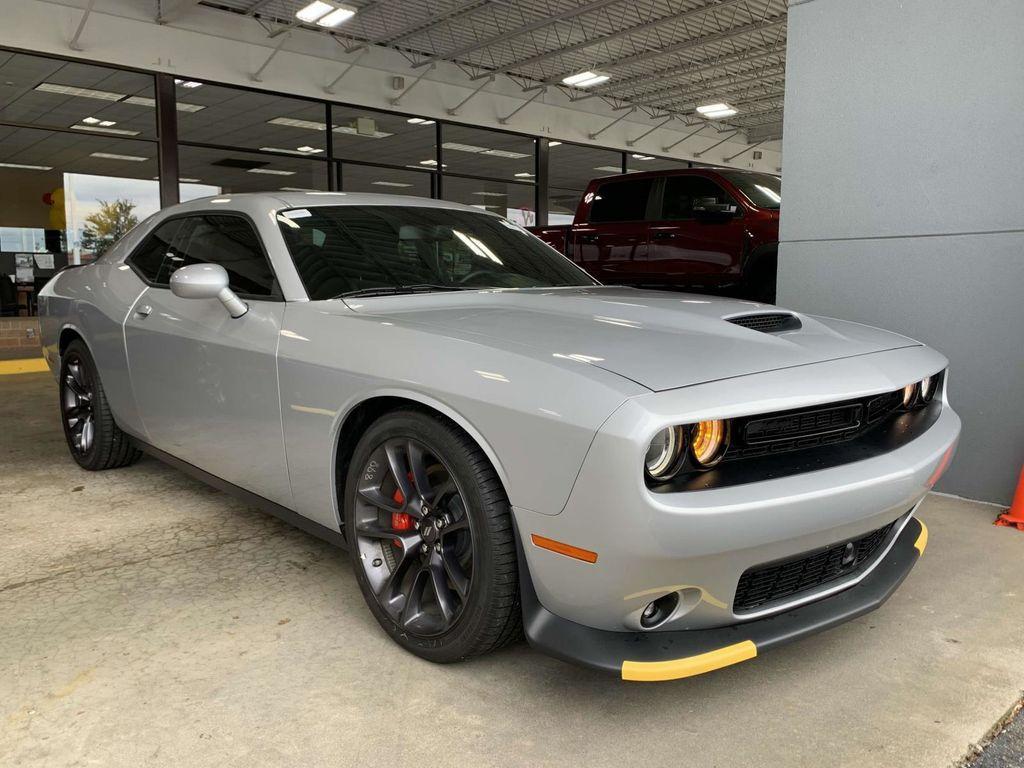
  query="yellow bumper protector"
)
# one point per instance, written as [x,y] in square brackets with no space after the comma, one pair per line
[922,539]
[674,669]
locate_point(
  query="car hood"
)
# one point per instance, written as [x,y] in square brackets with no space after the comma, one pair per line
[657,339]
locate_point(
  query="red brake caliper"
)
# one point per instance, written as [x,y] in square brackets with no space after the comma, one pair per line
[400,521]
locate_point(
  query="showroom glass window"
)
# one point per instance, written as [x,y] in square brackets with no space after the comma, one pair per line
[206,171]
[763,189]
[78,161]
[571,168]
[681,192]
[624,200]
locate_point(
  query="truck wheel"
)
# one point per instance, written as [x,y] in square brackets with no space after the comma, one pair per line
[430,534]
[94,439]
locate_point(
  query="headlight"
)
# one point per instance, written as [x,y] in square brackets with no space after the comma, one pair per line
[909,395]
[926,388]
[664,452]
[708,441]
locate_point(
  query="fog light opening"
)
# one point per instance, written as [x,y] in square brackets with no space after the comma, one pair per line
[658,611]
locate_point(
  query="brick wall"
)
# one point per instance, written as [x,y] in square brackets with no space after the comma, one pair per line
[19,337]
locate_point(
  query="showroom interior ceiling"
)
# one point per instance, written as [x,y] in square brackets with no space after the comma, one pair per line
[663,56]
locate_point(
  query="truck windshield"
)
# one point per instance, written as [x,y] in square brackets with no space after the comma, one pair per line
[384,250]
[762,189]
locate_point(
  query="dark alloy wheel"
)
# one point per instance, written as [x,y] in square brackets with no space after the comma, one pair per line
[430,534]
[94,439]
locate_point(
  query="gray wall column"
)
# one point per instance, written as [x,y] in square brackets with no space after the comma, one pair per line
[903,197]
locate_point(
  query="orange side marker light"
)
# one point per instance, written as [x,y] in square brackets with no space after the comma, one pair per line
[562,548]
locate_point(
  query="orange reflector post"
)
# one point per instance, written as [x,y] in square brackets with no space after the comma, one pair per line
[563,549]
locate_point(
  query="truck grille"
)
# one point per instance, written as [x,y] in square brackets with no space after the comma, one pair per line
[783,579]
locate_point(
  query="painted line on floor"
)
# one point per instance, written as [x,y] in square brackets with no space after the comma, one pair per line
[33,365]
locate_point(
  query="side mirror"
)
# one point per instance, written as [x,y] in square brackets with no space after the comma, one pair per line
[207,281]
[709,206]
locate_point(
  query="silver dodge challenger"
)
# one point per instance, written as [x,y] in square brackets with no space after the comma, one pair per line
[652,484]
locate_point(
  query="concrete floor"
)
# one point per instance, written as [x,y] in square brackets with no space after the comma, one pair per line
[148,620]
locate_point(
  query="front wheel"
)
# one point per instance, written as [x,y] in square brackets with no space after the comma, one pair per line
[430,532]
[94,439]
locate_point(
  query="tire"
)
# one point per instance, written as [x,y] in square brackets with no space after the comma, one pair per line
[94,439]
[451,492]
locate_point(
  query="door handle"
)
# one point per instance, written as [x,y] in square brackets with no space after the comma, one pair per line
[143,311]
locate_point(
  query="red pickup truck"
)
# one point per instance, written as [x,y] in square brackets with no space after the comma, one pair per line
[699,229]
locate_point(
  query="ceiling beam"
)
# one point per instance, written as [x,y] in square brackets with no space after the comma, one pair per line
[692,99]
[725,81]
[637,29]
[462,9]
[695,42]
[518,31]
[704,65]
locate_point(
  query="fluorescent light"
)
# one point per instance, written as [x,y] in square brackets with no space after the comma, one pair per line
[641,157]
[271,171]
[524,175]
[490,194]
[91,120]
[419,121]
[108,123]
[24,167]
[586,79]
[609,168]
[145,101]
[313,125]
[84,93]
[314,11]
[713,111]
[462,147]
[390,184]
[339,15]
[186,83]
[428,162]
[183,180]
[100,129]
[110,156]
[505,153]
[554,143]
[307,150]
[348,130]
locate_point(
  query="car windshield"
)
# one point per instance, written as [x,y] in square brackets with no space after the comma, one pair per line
[763,189]
[369,250]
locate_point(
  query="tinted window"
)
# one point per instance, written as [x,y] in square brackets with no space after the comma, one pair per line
[389,249]
[763,189]
[155,259]
[681,191]
[231,242]
[621,201]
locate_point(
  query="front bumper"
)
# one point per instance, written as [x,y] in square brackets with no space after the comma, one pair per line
[654,656]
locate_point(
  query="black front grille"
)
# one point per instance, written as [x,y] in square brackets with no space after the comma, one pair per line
[764,584]
[767,322]
[802,424]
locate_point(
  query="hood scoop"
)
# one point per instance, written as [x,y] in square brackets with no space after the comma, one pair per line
[767,322]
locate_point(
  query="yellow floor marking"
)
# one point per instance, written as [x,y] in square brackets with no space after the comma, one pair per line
[34,365]
[922,539]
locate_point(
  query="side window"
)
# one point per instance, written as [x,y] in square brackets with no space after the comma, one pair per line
[681,191]
[155,259]
[621,201]
[231,242]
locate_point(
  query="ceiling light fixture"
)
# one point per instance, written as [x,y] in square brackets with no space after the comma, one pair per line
[91,120]
[554,143]
[419,121]
[145,101]
[339,15]
[271,171]
[101,129]
[524,175]
[586,79]
[716,110]
[111,156]
[641,157]
[390,184]
[24,167]
[609,168]
[84,93]
[314,11]
[186,83]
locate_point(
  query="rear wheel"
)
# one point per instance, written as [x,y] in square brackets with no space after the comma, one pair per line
[430,533]
[94,439]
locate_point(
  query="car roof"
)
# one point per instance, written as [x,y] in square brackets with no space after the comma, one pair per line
[255,203]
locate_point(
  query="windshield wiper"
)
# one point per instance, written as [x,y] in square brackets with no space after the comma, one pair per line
[397,290]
